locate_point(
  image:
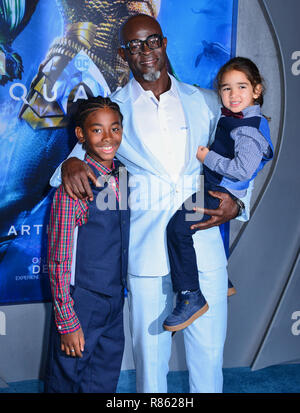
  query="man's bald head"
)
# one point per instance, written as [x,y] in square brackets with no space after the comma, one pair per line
[136,21]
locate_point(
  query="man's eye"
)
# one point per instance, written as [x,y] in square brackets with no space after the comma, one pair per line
[134,46]
[153,42]
[97,130]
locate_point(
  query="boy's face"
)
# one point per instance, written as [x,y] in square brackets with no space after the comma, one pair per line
[102,135]
[237,92]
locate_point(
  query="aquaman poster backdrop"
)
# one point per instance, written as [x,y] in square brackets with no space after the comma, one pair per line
[51,54]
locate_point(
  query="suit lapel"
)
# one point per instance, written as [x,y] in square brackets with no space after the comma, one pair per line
[132,147]
[197,119]
[191,112]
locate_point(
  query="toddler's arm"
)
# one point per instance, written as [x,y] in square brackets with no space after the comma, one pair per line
[201,153]
[249,148]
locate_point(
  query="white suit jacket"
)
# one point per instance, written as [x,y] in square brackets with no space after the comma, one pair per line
[154,197]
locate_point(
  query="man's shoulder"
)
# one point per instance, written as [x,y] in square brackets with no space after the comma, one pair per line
[121,94]
[191,87]
[209,96]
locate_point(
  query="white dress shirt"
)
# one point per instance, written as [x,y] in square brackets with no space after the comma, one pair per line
[162,127]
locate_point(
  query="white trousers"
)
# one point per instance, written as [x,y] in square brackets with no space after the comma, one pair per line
[150,301]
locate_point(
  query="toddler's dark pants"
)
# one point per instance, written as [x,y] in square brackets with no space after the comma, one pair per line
[182,256]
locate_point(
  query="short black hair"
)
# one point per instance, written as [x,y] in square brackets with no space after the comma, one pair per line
[87,106]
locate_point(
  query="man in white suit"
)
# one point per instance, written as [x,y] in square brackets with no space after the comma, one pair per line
[164,123]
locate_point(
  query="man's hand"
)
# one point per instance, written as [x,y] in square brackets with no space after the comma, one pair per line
[226,211]
[73,343]
[75,178]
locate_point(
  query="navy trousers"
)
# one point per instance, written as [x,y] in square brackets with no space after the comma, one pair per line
[98,371]
[182,256]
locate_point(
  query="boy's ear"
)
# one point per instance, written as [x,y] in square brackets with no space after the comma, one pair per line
[79,134]
[257,91]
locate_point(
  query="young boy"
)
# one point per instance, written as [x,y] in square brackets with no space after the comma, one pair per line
[88,279]
[241,148]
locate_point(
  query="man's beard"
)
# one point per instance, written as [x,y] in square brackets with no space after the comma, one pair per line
[152,76]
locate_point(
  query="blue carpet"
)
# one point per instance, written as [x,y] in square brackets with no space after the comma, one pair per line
[274,379]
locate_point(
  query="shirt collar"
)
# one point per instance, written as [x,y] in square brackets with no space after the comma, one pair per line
[138,91]
[250,111]
[103,170]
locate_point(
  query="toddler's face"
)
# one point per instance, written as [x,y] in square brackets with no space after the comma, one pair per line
[102,135]
[237,92]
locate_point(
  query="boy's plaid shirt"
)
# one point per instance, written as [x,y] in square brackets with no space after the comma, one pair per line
[65,215]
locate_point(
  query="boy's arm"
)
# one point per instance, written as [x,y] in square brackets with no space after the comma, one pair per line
[60,242]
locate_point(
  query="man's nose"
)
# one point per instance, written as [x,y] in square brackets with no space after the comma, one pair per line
[145,48]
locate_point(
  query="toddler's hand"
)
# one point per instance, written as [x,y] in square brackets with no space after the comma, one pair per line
[201,153]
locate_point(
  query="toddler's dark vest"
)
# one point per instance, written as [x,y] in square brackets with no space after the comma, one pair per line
[102,244]
[224,146]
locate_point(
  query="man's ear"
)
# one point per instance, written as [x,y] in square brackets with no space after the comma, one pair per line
[165,42]
[121,53]
[79,134]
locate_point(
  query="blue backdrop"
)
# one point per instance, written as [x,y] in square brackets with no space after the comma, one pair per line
[38,48]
